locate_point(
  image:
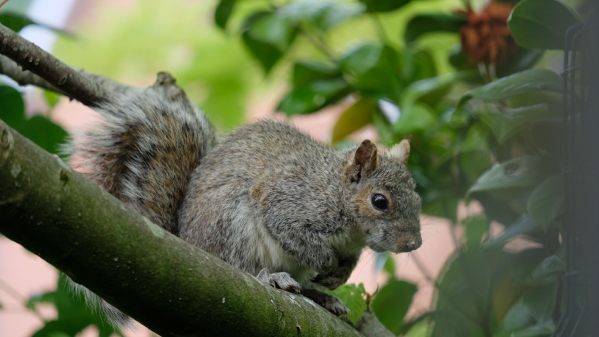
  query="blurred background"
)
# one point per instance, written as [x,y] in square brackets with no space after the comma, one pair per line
[477,87]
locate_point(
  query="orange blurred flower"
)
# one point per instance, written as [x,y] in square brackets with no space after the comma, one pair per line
[485,37]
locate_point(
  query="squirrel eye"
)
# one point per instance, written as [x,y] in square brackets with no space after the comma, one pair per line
[379,201]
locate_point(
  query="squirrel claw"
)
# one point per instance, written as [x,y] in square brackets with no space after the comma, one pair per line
[280,280]
[327,301]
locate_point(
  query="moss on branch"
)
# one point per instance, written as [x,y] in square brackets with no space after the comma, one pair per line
[168,285]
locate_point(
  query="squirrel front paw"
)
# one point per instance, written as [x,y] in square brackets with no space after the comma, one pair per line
[329,302]
[279,280]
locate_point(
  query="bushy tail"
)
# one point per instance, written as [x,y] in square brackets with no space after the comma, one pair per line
[145,149]
[143,152]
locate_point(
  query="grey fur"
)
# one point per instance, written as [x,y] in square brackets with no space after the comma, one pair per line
[266,197]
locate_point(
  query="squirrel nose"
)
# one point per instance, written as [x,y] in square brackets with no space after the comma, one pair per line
[413,244]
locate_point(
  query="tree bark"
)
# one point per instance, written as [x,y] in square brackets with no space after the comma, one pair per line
[168,285]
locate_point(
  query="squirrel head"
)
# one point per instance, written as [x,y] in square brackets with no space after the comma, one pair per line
[382,198]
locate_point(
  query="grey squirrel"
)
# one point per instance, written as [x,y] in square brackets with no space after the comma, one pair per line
[266,198]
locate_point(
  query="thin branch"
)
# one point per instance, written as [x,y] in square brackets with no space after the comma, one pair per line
[15,294]
[429,277]
[9,68]
[318,43]
[380,29]
[89,89]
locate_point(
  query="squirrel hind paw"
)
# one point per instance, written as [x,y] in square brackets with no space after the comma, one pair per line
[280,280]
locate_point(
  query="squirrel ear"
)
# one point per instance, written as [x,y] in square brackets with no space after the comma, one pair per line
[364,162]
[401,151]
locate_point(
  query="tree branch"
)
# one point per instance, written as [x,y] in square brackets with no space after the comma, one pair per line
[90,90]
[9,68]
[170,286]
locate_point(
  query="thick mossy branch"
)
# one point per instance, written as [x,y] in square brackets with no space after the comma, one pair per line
[170,286]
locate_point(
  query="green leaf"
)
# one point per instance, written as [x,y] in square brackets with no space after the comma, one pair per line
[471,283]
[373,68]
[354,298]
[546,203]
[392,302]
[17,22]
[223,12]
[517,173]
[541,24]
[426,23]
[389,266]
[506,122]
[45,133]
[522,83]
[549,267]
[356,116]
[414,118]
[476,227]
[52,98]
[73,316]
[383,5]
[12,108]
[38,129]
[544,329]
[523,226]
[313,96]
[268,36]
[323,15]
[305,72]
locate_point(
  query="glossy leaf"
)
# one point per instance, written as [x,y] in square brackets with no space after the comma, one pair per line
[356,116]
[268,36]
[414,118]
[546,203]
[521,83]
[541,24]
[17,22]
[312,97]
[469,283]
[506,122]
[427,23]
[223,12]
[73,316]
[38,129]
[373,68]
[323,15]
[523,226]
[476,227]
[383,5]
[305,72]
[521,172]
[12,107]
[392,302]
[354,298]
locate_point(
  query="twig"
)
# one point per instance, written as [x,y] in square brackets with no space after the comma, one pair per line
[428,276]
[23,77]
[15,294]
[318,44]
[89,89]
[378,25]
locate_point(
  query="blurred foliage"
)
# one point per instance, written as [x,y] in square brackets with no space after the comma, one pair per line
[482,129]
[483,132]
